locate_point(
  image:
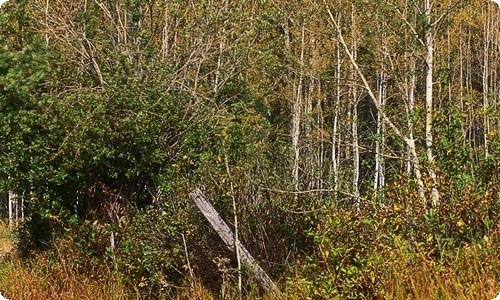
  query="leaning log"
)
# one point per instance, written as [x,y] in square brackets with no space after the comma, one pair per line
[229,239]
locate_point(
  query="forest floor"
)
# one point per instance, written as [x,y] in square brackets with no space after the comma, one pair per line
[42,278]
[6,239]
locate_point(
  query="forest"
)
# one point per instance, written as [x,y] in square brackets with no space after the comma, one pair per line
[351,146]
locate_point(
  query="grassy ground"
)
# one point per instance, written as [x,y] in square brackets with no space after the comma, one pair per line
[39,278]
[6,239]
[470,276]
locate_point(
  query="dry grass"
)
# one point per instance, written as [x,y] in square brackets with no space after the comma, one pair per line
[405,280]
[6,239]
[470,274]
[41,281]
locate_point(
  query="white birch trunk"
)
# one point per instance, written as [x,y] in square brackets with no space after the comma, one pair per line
[296,117]
[219,66]
[461,79]
[412,159]
[320,139]
[335,124]
[379,176]
[409,141]
[429,113]
[47,37]
[485,82]
[355,148]
[12,208]
[354,125]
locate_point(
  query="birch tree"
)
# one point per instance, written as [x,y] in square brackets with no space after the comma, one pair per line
[379,172]
[409,141]
[429,107]
[354,115]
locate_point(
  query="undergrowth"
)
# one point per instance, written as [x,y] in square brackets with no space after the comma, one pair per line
[403,273]
[392,249]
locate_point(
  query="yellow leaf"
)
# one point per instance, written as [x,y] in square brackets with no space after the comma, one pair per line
[429,237]
[142,283]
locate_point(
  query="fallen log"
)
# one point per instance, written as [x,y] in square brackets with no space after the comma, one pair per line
[229,239]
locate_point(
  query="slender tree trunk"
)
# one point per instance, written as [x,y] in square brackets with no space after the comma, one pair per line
[165,34]
[413,162]
[321,138]
[468,88]
[320,152]
[335,134]
[355,147]
[12,203]
[297,115]
[485,77]
[235,219]
[222,46]
[307,90]
[463,125]
[12,199]
[379,174]
[47,38]
[429,113]
[495,65]
[409,141]
[354,125]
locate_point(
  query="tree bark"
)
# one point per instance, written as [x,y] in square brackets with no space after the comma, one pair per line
[232,242]
[354,124]
[429,113]
[297,115]
[335,142]
[379,174]
[409,141]
[12,208]
[486,75]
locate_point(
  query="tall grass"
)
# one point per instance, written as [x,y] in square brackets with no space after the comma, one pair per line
[39,280]
[468,273]
[6,239]
[42,278]
[408,276]
[402,271]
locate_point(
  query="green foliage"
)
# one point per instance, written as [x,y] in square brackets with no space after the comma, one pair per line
[354,250]
[112,112]
[151,255]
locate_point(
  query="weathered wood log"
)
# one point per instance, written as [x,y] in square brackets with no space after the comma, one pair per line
[229,239]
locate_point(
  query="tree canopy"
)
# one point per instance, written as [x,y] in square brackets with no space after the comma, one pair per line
[327,129]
